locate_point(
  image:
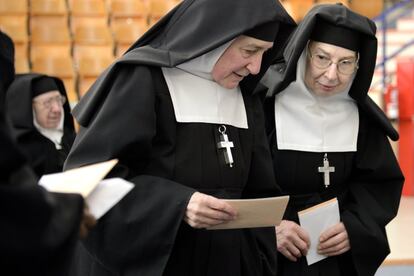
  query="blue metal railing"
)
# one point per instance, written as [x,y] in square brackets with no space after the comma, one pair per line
[388,75]
[382,19]
[397,6]
[394,54]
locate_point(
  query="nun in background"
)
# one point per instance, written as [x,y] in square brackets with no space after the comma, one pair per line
[40,115]
[39,229]
[319,112]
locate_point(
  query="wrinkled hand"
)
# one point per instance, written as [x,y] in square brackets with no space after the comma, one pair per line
[204,211]
[292,240]
[87,223]
[334,241]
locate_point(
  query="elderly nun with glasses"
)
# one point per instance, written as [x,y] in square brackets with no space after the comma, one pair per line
[330,140]
[40,116]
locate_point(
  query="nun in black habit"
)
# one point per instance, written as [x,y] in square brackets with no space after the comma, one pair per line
[40,115]
[319,113]
[163,110]
[38,229]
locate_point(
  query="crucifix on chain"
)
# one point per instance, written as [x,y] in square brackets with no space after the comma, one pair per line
[326,170]
[226,145]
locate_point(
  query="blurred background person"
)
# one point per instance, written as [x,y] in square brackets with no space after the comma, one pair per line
[40,115]
[38,229]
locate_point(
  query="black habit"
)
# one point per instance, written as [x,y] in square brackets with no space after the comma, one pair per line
[367,182]
[128,114]
[38,230]
[41,152]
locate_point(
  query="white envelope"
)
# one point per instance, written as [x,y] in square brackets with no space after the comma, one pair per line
[315,220]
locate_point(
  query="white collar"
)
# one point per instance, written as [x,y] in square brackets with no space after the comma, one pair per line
[55,135]
[197,98]
[306,122]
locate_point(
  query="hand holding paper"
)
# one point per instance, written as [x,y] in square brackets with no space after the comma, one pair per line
[292,240]
[334,241]
[87,223]
[204,211]
[100,196]
[315,221]
[259,212]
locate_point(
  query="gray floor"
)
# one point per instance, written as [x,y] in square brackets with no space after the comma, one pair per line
[394,270]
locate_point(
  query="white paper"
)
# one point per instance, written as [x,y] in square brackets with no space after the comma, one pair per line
[108,193]
[100,195]
[79,181]
[316,220]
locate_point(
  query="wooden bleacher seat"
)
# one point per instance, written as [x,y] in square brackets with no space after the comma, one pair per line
[50,36]
[49,31]
[88,8]
[61,67]
[21,50]
[53,50]
[297,8]
[129,9]
[16,28]
[92,35]
[49,21]
[158,8]
[70,86]
[89,69]
[94,66]
[92,41]
[86,51]
[13,7]
[126,33]
[48,8]
[84,85]
[121,21]
[369,8]
[344,2]
[121,49]
[16,32]
[58,66]
[21,65]
[91,12]
[80,21]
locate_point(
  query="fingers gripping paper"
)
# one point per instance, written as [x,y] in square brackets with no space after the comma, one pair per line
[252,213]
[315,220]
[100,195]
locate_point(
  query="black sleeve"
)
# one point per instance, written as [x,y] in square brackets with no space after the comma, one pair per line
[372,200]
[124,127]
[39,229]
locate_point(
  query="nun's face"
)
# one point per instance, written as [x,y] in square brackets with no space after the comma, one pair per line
[48,109]
[329,68]
[241,58]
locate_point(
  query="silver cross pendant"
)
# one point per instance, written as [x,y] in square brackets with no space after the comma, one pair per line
[225,145]
[326,170]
